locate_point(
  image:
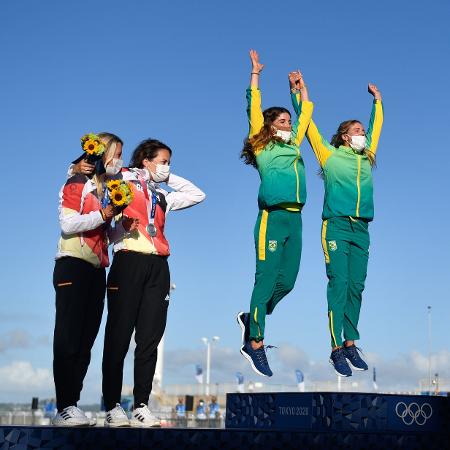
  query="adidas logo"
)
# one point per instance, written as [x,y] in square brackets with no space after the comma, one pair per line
[139,417]
[167,298]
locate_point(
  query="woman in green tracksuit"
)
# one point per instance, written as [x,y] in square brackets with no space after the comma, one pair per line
[273,149]
[346,163]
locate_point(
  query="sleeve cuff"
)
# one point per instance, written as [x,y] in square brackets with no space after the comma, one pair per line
[100,216]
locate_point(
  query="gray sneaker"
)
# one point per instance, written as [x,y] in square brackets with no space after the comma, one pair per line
[117,417]
[71,416]
[142,417]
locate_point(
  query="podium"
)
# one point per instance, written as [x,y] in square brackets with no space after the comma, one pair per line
[275,421]
[332,411]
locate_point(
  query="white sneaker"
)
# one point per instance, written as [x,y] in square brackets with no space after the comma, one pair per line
[142,417]
[70,417]
[117,417]
[92,421]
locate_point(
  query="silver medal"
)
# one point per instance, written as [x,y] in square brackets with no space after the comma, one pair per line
[151,229]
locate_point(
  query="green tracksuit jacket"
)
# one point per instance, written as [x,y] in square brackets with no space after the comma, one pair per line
[279,164]
[347,173]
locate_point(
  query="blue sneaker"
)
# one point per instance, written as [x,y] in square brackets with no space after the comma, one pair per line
[352,356]
[338,361]
[243,319]
[257,359]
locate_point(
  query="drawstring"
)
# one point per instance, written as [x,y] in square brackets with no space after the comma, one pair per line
[351,223]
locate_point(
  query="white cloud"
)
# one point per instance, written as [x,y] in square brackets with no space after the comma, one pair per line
[20,381]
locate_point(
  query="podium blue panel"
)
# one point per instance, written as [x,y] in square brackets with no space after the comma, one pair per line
[46,438]
[328,411]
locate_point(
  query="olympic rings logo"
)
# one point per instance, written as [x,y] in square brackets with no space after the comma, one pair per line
[413,413]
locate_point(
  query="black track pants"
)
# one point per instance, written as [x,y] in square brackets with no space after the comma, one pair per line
[138,296]
[80,294]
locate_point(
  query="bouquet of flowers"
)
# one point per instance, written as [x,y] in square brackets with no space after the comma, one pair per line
[93,146]
[120,193]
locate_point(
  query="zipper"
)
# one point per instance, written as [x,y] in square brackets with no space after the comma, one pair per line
[296,175]
[358,185]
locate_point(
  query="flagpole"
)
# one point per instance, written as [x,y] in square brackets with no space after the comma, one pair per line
[429,350]
[208,343]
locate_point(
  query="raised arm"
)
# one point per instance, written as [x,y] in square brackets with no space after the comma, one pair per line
[254,111]
[376,120]
[321,147]
[303,108]
[184,195]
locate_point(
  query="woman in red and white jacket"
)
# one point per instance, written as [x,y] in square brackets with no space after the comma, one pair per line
[79,279]
[139,280]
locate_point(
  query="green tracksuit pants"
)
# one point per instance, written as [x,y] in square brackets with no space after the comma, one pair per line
[345,243]
[278,242]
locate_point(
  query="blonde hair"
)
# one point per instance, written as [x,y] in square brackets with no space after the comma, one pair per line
[337,140]
[110,140]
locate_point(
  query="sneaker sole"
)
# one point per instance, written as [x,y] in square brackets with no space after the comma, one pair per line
[242,325]
[337,373]
[116,425]
[66,424]
[138,424]
[355,368]
[247,357]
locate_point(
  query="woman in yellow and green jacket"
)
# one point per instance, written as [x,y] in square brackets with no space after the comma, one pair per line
[346,164]
[273,148]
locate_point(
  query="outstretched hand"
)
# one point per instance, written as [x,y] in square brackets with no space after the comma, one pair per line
[374,91]
[256,65]
[296,80]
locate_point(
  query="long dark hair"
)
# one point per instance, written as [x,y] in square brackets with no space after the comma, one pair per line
[337,140]
[147,149]
[262,138]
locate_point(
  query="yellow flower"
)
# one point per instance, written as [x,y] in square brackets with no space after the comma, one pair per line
[117,197]
[130,196]
[113,184]
[91,146]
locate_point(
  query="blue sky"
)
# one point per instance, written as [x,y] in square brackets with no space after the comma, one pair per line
[178,72]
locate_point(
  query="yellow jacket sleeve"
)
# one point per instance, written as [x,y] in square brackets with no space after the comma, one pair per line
[305,110]
[321,147]
[254,111]
[375,125]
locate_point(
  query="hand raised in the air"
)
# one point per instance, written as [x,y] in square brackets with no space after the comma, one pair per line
[296,80]
[374,91]
[257,67]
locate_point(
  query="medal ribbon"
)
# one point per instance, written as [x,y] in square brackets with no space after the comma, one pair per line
[105,199]
[151,219]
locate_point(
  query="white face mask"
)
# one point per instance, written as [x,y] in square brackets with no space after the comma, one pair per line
[285,135]
[161,174]
[114,167]
[358,142]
